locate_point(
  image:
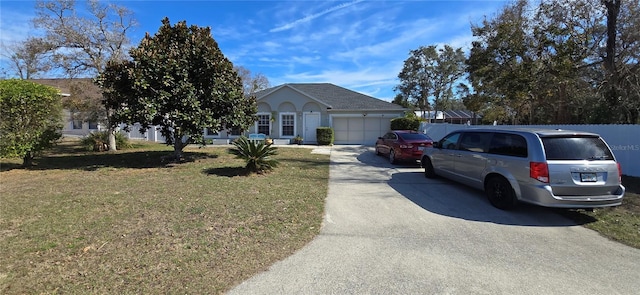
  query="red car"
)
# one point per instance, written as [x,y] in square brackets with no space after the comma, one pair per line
[403,145]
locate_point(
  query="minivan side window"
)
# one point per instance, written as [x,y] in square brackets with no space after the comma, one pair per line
[509,145]
[474,141]
[576,148]
[450,141]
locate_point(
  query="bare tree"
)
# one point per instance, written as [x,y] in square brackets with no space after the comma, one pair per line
[83,43]
[251,83]
[29,58]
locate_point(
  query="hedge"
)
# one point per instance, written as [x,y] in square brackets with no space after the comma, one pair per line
[404,123]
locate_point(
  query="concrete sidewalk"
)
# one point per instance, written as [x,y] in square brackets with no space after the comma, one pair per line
[388,230]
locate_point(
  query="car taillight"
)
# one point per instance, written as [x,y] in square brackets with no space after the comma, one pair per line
[619,173]
[406,146]
[539,171]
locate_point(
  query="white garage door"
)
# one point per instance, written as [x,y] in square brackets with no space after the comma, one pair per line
[359,130]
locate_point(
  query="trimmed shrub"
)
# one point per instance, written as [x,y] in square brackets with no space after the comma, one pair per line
[99,141]
[324,135]
[404,123]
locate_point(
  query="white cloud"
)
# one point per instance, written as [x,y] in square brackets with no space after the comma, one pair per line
[311,17]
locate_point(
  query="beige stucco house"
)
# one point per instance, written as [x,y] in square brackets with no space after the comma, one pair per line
[294,109]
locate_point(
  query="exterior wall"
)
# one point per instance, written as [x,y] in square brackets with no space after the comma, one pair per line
[624,140]
[288,101]
[69,130]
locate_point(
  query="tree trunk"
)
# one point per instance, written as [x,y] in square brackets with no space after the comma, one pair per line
[27,160]
[613,10]
[111,131]
[178,146]
[112,139]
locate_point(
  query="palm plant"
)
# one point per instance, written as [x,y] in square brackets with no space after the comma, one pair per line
[257,154]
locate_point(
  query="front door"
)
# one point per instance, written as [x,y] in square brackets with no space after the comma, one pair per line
[311,123]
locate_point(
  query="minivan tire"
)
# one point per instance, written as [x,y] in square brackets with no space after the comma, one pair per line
[428,168]
[500,193]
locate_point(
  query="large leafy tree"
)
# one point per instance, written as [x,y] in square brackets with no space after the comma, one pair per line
[501,63]
[430,74]
[31,118]
[557,62]
[620,87]
[82,39]
[179,80]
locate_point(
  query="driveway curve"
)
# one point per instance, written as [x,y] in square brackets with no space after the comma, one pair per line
[389,230]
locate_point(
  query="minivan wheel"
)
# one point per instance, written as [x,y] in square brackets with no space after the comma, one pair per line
[500,193]
[392,157]
[428,168]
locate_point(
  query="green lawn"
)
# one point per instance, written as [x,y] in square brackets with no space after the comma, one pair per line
[127,223]
[620,223]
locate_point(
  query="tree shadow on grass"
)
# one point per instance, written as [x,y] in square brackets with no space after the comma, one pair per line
[95,161]
[226,171]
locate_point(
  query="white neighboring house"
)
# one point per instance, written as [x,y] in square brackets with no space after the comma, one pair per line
[73,121]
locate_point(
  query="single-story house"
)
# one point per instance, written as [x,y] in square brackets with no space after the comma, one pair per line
[284,112]
[293,109]
[451,116]
[75,123]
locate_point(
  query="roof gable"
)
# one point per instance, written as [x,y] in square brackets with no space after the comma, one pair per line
[335,97]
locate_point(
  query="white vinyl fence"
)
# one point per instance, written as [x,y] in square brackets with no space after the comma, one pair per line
[624,140]
[152,134]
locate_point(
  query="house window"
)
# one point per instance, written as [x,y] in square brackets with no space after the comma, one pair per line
[264,123]
[211,132]
[235,132]
[288,124]
[76,121]
[93,125]
[77,124]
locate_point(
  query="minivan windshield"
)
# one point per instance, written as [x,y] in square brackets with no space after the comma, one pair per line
[576,148]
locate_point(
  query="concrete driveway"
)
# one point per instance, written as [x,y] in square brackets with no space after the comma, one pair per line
[389,230]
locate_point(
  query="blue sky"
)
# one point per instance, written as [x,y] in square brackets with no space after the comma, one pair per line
[360,45]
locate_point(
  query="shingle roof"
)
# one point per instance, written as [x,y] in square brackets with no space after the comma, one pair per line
[335,97]
[461,114]
[69,86]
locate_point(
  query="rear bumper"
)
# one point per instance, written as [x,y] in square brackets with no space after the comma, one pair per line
[409,154]
[543,196]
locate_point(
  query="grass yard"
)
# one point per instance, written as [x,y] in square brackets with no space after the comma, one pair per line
[125,223]
[620,223]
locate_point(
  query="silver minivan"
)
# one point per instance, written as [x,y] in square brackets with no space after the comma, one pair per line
[552,168]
